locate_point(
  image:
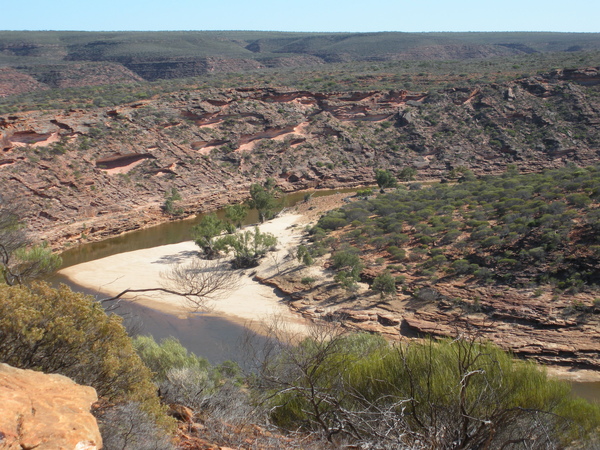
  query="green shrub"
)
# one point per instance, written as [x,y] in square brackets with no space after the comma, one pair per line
[168,355]
[385,284]
[308,281]
[60,331]
[304,256]
[452,393]
[247,246]
[333,221]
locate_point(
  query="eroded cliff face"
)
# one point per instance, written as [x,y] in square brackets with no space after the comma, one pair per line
[88,174]
[45,412]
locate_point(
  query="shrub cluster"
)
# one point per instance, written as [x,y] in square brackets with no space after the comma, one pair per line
[489,229]
[61,331]
[359,390]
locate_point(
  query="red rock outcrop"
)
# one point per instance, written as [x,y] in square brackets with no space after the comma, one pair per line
[211,145]
[45,412]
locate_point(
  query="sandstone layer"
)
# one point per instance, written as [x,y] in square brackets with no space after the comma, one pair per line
[45,412]
[83,175]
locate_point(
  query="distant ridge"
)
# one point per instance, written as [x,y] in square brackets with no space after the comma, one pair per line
[176,54]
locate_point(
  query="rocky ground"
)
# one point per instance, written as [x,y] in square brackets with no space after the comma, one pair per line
[45,411]
[86,174]
[532,323]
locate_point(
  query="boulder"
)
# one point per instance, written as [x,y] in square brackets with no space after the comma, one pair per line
[45,412]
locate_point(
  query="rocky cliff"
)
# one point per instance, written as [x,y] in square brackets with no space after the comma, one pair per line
[48,412]
[87,174]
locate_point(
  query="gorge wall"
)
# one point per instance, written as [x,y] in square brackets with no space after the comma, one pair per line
[84,174]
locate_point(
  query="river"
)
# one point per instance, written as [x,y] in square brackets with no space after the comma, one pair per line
[206,335]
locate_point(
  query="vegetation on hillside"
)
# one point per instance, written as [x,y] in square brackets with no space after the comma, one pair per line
[413,75]
[20,259]
[520,230]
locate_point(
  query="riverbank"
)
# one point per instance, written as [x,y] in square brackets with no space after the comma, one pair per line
[249,302]
[272,290]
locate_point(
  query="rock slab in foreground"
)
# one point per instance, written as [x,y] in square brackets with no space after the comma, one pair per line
[45,412]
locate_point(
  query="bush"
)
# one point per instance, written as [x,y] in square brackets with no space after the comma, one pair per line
[128,427]
[186,379]
[247,246]
[308,281]
[60,331]
[448,394]
[385,179]
[349,260]
[168,355]
[399,254]
[262,198]
[385,284]
[304,256]
[206,231]
[333,221]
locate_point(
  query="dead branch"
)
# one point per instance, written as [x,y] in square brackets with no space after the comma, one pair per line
[197,281]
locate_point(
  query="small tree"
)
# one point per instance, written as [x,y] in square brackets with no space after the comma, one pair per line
[171,196]
[236,214]
[385,284]
[262,198]
[407,174]
[19,260]
[349,266]
[385,179]
[247,246]
[205,232]
[304,256]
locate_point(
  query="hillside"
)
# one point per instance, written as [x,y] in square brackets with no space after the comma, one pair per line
[511,258]
[65,59]
[90,173]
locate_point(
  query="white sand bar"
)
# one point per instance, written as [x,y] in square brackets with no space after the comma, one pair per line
[249,302]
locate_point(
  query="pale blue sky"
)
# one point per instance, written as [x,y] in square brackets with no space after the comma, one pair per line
[305,15]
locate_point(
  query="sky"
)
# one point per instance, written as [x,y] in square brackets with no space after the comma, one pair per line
[304,15]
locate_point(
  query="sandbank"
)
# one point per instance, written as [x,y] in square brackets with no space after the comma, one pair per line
[248,302]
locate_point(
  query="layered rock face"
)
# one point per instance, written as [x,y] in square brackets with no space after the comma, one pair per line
[45,412]
[89,174]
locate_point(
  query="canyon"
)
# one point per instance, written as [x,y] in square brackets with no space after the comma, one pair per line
[86,174]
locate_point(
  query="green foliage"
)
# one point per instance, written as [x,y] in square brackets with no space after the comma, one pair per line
[171,197]
[20,261]
[304,256]
[262,198]
[33,262]
[308,281]
[60,331]
[485,229]
[385,179]
[247,246]
[166,356]
[236,214]
[348,264]
[332,221]
[385,284]
[206,231]
[407,174]
[186,379]
[367,192]
[450,394]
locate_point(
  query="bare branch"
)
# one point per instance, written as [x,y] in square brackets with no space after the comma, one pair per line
[197,281]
